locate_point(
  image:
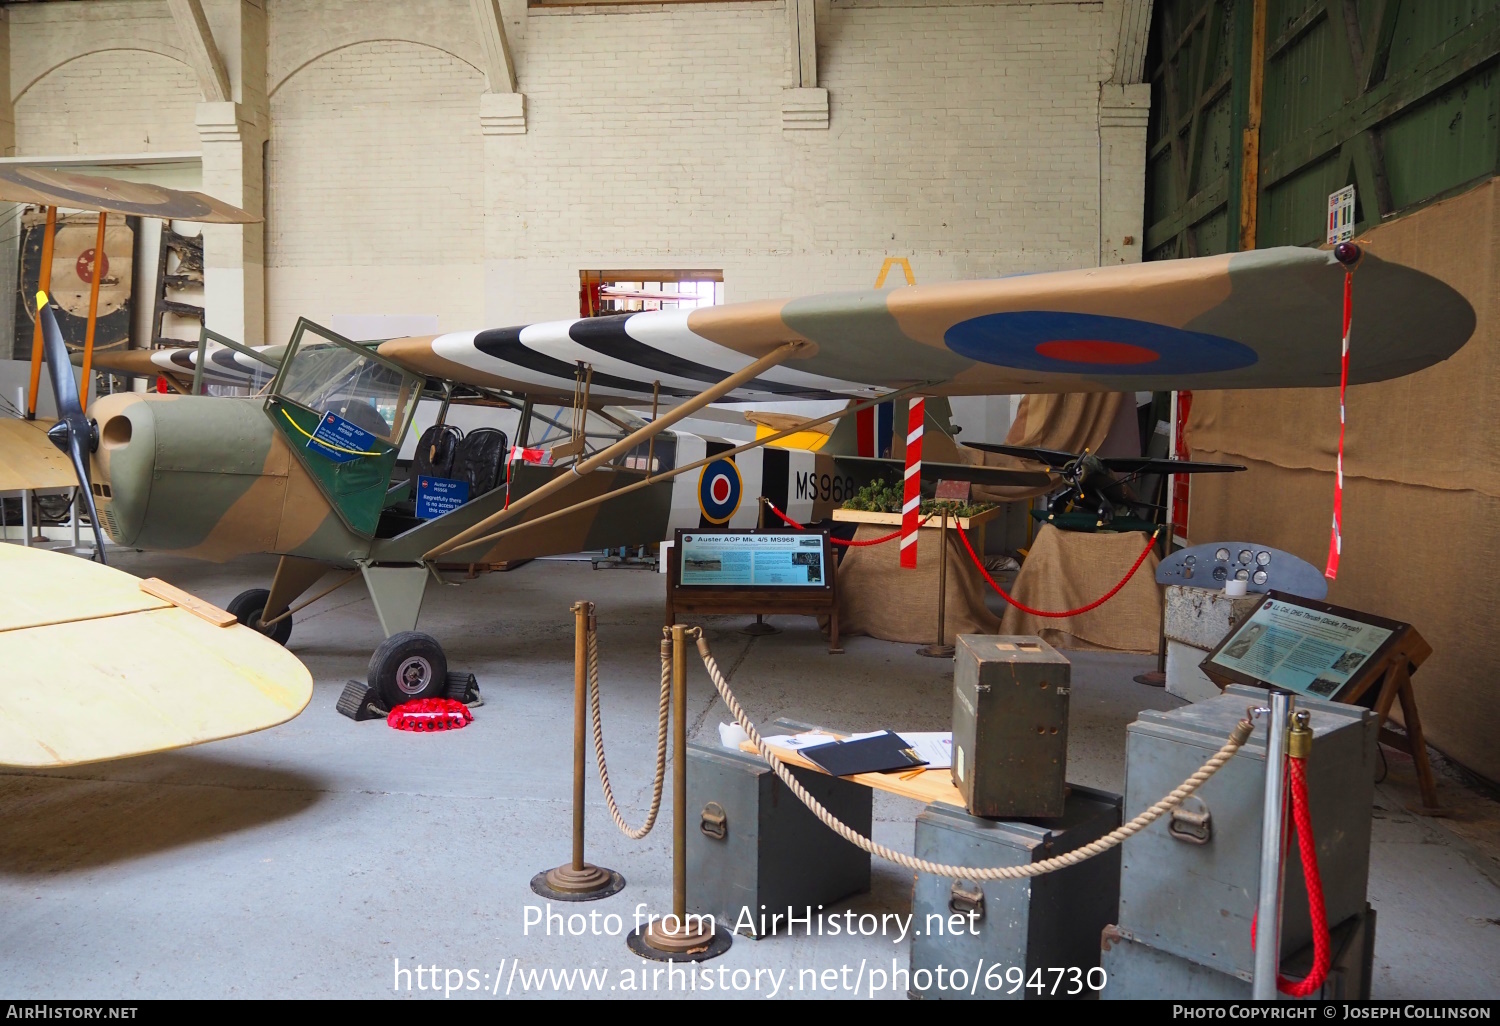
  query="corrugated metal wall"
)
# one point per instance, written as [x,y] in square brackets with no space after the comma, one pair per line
[1399,98]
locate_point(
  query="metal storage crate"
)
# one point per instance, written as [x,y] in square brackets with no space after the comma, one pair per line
[1010,725]
[751,843]
[1196,900]
[1139,971]
[1050,921]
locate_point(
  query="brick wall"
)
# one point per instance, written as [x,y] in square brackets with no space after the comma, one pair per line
[376,188]
[109,102]
[966,137]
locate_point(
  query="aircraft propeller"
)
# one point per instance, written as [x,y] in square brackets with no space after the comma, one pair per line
[73,434]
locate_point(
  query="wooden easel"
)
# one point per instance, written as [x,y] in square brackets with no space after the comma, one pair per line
[1394,676]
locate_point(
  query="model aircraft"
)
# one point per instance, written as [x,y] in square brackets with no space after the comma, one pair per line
[306,471]
[1102,485]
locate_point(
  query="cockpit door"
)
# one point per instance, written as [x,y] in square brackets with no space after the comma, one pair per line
[344,411]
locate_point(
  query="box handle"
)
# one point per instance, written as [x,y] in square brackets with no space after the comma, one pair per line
[714,822]
[1192,825]
[965,898]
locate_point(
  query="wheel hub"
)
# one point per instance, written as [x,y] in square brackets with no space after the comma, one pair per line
[413,674]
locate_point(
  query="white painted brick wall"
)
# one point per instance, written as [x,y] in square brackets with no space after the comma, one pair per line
[965,137]
[110,102]
[376,187]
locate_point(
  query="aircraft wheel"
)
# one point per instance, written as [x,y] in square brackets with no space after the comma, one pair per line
[407,666]
[247,607]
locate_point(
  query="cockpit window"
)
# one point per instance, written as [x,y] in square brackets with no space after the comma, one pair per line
[326,373]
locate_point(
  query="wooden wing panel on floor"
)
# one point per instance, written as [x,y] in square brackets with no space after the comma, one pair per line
[97,669]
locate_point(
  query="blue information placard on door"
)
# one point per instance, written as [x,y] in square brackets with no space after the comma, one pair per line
[439,495]
[340,440]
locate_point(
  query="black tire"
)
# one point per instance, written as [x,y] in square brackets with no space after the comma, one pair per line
[408,666]
[247,607]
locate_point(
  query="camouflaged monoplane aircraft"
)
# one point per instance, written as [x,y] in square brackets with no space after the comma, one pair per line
[308,469]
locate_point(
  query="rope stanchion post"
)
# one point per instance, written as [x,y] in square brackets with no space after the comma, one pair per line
[677,936]
[939,649]
[576,880]
[1273,831]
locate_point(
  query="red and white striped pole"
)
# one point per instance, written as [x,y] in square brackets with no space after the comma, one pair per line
[911,506]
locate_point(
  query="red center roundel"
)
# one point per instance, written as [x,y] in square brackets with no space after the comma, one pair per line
[1096,351]
[85,266]
[719,489]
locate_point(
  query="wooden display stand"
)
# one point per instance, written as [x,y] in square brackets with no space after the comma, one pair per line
[969,524]
[759,601]
[1393,673]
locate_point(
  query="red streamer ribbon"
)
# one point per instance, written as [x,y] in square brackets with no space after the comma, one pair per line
[1336,538]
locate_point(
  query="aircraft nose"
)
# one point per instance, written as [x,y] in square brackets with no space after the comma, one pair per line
[123,463]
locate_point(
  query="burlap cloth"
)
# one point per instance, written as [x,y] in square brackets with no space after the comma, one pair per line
[1068,569]
[878,598]
[1421,477]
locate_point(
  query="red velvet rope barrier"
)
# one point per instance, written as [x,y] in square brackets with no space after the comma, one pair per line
[1322,956]
[1071,612]
[840,541]
[978,563]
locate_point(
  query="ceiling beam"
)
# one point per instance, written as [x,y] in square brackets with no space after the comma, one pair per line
[499,67]
[202,54]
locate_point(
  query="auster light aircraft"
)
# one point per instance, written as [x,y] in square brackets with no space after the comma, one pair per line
[305,469]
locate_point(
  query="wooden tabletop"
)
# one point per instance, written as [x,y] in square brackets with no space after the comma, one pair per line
[934,785]
[933,521]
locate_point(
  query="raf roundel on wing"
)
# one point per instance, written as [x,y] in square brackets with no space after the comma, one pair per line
[1071,343]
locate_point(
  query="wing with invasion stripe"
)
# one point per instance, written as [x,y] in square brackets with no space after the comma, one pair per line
[1263,319]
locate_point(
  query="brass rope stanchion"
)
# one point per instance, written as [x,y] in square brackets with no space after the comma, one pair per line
[678,937]
[576,880]
[940,649]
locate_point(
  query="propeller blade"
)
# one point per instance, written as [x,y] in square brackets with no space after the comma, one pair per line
[72,434]
[59,368]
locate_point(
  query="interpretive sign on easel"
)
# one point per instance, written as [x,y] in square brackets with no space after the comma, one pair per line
[1335,654]
[761,572]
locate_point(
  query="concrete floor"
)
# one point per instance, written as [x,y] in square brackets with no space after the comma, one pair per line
[303,861]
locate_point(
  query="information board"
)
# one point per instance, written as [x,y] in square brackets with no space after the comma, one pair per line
[340,440]
[734,559]
[439,495]
[1301,645]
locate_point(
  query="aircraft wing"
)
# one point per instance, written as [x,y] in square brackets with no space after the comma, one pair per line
[28,459]
[1147,465]
[1054,458]
[98,669]
[1268,318]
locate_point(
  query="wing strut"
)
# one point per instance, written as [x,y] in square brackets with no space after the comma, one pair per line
[629,442]
[652,479]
